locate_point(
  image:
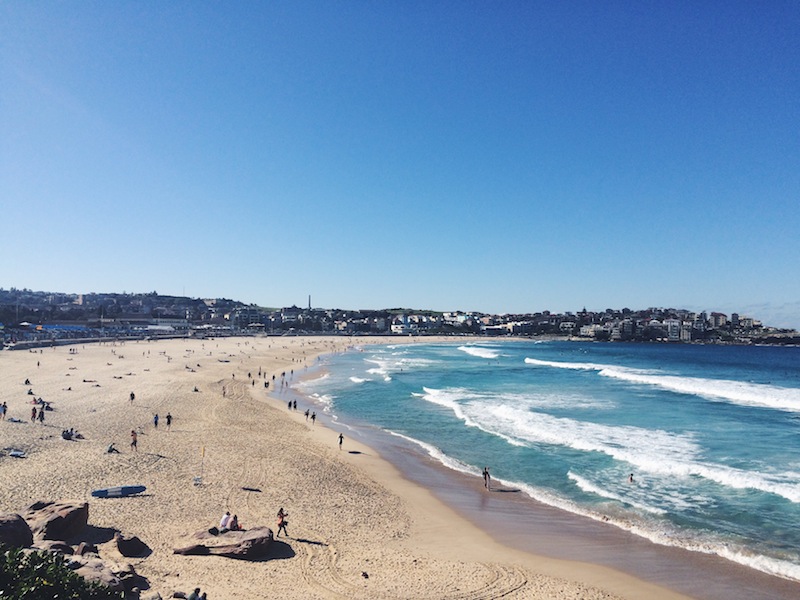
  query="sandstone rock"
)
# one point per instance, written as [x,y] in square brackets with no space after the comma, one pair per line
[86,548]
[54,546]
[117,576]
[15,532]
[57,520]
[94,569]
[130,546]
[244,545]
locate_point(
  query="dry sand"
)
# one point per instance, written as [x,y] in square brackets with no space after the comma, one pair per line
[351,512]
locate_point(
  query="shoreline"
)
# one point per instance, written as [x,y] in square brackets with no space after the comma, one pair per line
[522,523]
[352,510]
[517,521]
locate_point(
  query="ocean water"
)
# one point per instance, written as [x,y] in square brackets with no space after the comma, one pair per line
[711,434]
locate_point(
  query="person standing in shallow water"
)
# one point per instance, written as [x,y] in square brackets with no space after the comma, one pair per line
[487,479]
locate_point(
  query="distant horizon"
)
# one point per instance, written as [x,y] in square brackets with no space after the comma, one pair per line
[493,157]
[766,322]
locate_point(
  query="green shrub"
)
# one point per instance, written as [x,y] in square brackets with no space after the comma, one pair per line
[45,576]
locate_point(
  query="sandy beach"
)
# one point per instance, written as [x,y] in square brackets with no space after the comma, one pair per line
[233,446]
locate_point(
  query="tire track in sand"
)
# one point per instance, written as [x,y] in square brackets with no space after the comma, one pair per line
[321,572]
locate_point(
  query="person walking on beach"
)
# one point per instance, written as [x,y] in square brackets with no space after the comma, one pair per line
[313,417]
[487,479]
[155,420]
[33,415]
[41,414]
[134,441]
[282,522]
[341,439]
[169,421]
[3,411]
[133,397]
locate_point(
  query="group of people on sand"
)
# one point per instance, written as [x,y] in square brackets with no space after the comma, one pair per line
[134,435]
[196,595]
[230,522]
[37,415]
[168,419]
[71,434]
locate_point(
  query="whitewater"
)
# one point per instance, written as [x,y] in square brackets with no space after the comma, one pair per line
[709,435]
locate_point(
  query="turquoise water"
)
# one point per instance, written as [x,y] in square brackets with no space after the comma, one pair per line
[711,434]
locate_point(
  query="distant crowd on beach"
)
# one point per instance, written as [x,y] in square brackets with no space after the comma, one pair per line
[40,407]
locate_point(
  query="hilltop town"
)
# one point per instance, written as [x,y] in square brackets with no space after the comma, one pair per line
[39,317]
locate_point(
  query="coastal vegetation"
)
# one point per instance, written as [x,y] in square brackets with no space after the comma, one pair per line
[44,576]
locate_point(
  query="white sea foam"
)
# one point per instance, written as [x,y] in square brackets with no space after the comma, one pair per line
[650,450]
[785,484]
[359,379]
[646,448]
[386,365]
[438,455]
[566,365]
[735,392]
[308,384]
[603,492]
[653,528]
[479,351]
[451,398]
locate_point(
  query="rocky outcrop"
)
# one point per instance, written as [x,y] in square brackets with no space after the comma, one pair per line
[243,545]
[15,532]
[85,548]
[53,546]
[46,525]
[117,577]
[57,520]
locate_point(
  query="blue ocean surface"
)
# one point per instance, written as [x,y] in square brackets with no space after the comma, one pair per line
[710,434]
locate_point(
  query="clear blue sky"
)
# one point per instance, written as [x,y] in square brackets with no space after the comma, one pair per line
[491,156]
